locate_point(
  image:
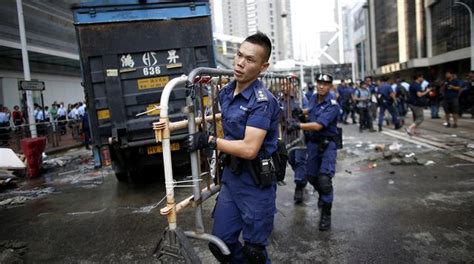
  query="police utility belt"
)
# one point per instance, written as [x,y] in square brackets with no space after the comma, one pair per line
[262,169]
[323,141]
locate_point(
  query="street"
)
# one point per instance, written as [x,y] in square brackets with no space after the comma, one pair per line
[413,202]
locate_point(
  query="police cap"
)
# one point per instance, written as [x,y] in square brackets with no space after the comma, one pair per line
[324,77]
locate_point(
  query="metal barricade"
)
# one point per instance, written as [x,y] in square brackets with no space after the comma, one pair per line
[202,83]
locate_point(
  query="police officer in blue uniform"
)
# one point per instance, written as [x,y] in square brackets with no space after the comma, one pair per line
[297,156]
[321,145]
[250,115]
[386,102]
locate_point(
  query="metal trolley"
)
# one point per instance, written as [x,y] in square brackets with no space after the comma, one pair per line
[202,109]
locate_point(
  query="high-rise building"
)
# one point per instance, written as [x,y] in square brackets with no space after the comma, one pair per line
[234,17]
[413,35]
[272,17]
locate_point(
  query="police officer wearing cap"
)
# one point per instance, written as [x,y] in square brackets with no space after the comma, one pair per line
[321,138]
[250,115]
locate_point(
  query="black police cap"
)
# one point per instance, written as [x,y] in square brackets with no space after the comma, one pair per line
[324,77]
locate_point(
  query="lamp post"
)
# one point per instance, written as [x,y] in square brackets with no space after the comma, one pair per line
[26,67]
[457,2]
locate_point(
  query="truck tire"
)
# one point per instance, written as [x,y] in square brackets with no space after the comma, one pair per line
[121,174]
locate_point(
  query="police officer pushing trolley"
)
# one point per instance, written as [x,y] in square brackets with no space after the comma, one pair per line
[250,114]
[322,139]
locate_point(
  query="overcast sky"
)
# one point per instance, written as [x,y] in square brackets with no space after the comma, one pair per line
[308,18]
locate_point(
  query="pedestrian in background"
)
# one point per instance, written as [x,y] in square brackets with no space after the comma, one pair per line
[17,116]
[417,103]
[373,97]
[4,125]
[451,89]
[362,97]
[435,98]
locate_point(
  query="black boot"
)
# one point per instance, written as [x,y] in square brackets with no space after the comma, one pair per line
[299,193]
[380,128]
[320,204]
[325,222]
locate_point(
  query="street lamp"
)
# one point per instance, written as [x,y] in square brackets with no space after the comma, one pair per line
[457,2]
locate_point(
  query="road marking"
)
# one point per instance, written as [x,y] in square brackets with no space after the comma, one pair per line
[427,143]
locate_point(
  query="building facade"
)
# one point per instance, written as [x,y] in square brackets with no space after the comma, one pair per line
[403,36]
[52,51]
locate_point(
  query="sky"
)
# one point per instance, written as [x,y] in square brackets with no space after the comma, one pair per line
[308,18]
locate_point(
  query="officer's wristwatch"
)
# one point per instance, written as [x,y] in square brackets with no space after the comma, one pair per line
[213,143]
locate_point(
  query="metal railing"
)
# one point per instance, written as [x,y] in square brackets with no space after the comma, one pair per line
[205,83]
[59,134]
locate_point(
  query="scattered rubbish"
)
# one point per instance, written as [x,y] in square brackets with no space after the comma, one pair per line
[421,162]
[387,154]
[10,160]
[379,148]
[470,145]
[348,171]
[410,160]
[395,146]
[453,135]
[435,177]
[410,155]
[22,196]
[418,146]
[392,172]
[44,155]
[358,145]
[391,181]
[395,161]
[373,165]
[429,162]
[12,251]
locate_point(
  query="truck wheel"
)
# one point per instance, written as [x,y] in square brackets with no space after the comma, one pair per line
[121,174]
[122,177]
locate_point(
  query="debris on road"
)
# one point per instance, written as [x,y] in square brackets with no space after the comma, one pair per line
[18,197]
[429,162]
[379,147]
[391,181]
[12,251]
[395,146]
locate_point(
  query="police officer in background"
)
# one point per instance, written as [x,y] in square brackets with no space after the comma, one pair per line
[250,115]
[387,101]
[321,139]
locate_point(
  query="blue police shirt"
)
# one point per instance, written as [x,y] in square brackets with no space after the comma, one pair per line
[345,93]
[325,114]
[255,106]
[385,90]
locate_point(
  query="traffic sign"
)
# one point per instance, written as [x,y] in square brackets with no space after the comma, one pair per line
[31,85]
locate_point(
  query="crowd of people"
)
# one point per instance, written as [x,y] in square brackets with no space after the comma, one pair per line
[58,116]
[370,100]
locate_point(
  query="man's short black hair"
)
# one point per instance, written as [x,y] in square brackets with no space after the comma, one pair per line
[262,40]
[417,75]
[384,78]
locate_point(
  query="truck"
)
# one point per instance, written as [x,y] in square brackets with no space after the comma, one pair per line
[129,50]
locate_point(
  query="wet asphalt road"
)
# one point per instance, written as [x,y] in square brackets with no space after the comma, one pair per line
[382,213]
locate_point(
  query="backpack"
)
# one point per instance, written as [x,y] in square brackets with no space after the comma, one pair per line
[280,159]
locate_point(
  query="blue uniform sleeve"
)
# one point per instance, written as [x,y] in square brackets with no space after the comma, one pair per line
[260,115]
[329,114]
